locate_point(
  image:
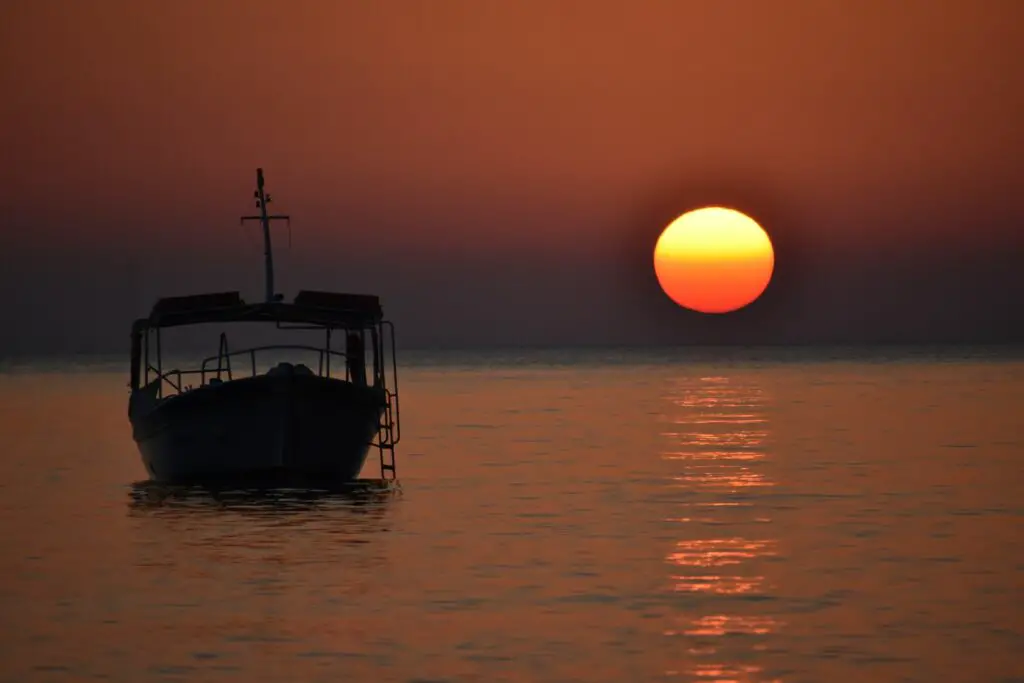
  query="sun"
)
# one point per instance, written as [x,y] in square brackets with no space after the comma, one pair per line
[714,260]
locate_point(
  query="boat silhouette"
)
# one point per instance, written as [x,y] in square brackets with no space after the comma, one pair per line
[225,419]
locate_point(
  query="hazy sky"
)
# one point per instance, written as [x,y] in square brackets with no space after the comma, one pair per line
[499,171]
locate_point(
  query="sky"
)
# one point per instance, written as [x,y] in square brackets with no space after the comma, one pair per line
[498,172]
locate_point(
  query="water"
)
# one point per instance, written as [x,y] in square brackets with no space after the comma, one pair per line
[743,515]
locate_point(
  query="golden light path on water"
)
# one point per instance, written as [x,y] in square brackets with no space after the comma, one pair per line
[716,435]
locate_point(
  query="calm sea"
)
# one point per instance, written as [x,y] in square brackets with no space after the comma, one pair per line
[743,515]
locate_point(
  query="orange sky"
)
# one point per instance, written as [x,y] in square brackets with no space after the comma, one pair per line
[482,131]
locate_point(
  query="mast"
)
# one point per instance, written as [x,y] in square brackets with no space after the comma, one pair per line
[262,199]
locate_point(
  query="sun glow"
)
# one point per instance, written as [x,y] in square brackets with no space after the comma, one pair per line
[714,260]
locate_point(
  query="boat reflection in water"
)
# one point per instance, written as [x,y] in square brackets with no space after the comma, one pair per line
[280,538]
[255,497]
[715,437]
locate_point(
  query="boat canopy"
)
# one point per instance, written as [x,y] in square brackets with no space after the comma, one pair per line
[327,309]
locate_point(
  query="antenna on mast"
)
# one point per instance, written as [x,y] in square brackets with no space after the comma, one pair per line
[262,199]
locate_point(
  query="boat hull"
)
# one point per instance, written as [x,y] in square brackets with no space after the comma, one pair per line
[290,426]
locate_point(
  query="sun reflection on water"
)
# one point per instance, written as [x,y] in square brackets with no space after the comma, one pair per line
[715,436]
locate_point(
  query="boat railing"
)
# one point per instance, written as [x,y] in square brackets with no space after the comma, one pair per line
[167,376]
[222,365]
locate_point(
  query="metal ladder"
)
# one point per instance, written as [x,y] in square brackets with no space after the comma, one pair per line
[388,435]
[389,430]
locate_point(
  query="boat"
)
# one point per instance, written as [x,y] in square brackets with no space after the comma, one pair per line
[234,415]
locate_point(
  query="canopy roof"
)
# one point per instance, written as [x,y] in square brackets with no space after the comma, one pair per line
[328,309]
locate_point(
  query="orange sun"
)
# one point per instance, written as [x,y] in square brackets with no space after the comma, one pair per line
[714,260]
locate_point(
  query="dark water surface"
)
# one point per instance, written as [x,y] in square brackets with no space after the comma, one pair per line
[751,516]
